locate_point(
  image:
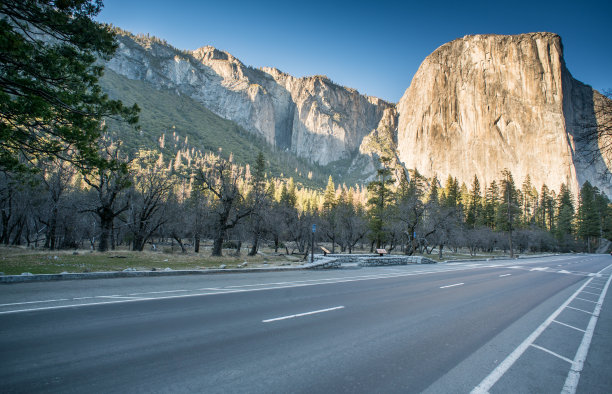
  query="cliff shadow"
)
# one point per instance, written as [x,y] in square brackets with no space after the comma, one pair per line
[585,118]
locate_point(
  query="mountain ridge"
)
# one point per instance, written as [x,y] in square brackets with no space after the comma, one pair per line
[523,79]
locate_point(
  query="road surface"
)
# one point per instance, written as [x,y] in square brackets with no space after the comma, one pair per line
[533,325]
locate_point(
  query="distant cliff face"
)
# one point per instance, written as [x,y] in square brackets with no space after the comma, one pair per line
[312,116]
[476,106]
[483,103]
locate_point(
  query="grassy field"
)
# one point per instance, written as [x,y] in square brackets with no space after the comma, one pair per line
[15,261]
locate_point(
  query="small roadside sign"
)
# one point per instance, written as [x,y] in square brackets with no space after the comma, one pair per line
[314,228]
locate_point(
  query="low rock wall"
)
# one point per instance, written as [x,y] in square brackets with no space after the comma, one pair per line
[374,260]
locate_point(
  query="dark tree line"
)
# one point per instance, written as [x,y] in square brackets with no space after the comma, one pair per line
[192,197]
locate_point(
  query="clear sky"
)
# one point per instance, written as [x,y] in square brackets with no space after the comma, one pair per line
[372,46]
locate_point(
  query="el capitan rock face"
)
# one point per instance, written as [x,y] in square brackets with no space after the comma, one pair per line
[483,103]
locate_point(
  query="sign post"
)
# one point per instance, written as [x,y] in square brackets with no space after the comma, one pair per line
[314,230]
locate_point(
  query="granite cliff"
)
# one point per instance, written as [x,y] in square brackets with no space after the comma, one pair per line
[483,103]
[476,106]
[312,116]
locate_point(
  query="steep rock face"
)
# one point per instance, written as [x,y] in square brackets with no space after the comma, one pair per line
[311,116]
[483,103]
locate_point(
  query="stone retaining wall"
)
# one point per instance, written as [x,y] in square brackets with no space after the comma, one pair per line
[374,260]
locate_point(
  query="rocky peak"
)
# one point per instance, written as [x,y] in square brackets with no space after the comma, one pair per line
[483,103]
[208,52]
[310,116]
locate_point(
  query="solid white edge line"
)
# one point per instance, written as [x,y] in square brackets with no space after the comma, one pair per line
[456,284]
[34,302]
[302,314]
[571,382]
[504,366]
[501,276]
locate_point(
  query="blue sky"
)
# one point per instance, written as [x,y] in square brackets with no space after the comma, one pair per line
[374,46]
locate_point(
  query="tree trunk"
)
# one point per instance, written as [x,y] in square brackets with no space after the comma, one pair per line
[510,242]
[218,244]
[196,246]
[180,242]
[5,228]
[255,246]
[50,241]
[112,234]
[20,226]
[589,244]
[238,247]
[138,243]
[106,225]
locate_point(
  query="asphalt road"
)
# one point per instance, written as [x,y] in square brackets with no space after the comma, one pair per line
[440,328]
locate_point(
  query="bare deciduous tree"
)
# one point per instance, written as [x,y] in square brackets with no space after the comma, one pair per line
[221,178]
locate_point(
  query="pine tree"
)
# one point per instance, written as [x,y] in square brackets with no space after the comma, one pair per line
[329,197]
[604,208]
[417,184]
[474,204]
[451,193]
[288,197]
[588,218]
[434,191]
[491,204]
[50,102]
[526,201]
[565,214]
[404,188]
[546,216]
[259,172]
[508,211]
[464,196]
[380,198]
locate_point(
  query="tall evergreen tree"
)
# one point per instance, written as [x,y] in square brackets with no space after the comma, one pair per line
[404,188]
[474,204]
[451,192]
[526,201]
[546,215]
[604,208]
[508,211]
[565,214]
[490,205]
[329,196]
[588,218]
[380,198]
[288,196]
[434,190]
